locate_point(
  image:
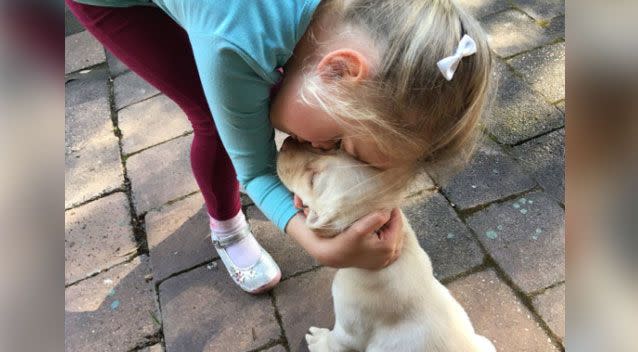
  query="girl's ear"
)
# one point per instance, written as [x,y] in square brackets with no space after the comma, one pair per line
[345,64]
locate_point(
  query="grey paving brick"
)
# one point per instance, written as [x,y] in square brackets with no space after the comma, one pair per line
[97,236]
[544,70]
[561,106]
[544,159]
[161,174]
[541,9]
[447,241]
[130,88]
[497,314]
[304,301]
[518,112]
[203,310]
[113,311]
[551,307]
[290,257]
[151,122]
[82,50]
[481,8]
[526,238]
[116,67]
[179,236]
[278,348]
[555,29]
[511,32]
[490,175]
[154,348]
[92,161]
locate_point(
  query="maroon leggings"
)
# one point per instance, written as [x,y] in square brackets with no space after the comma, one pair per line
[152,45]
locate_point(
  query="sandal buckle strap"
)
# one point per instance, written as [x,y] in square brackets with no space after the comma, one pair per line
[232,239]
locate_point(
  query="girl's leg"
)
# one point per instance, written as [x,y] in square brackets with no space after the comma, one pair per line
[158,50]
[152,45]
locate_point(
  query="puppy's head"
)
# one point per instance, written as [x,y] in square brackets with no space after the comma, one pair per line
[336,188]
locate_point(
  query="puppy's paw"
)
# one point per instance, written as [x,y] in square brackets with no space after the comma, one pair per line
[317,339]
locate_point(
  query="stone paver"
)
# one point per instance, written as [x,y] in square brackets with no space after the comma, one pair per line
[203,310]
[151,122]
[526,237]
[497,314]
[555,30]
[519,113]
[490,175]
[541,9]
[290,257]
[154,348]
[447,241]
[544,70]
[161,174]
[511,32]
[92,161]
[482,8]
[116,67]
[82,50]
[130,88]
[561,106]
[179,236]
[97,236]
[278,348]
[551,307]
[544,159]
[113,311]
[304,301]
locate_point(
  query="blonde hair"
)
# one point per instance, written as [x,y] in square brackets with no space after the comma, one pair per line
[406,105]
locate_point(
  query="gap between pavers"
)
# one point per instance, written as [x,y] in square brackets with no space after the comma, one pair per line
[304,301]
[544,159]
[526,238]
[544,70]
[178,237]
[447,241]
[113,311]
[92,161]
[204,310]
[518,113]
[550,305]
[490,175]
[497,314]
[82,50]
[161,174]
[151,122]
[97,236]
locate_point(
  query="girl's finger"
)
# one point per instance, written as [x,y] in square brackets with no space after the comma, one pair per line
[368,224]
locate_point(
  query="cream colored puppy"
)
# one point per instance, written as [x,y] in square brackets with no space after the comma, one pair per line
[400,308]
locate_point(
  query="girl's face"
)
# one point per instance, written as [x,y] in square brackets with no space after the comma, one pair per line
[307,124]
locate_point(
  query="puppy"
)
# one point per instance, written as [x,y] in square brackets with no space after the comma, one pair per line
[400,308]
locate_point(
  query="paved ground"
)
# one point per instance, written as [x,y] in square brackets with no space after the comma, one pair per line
[141,274]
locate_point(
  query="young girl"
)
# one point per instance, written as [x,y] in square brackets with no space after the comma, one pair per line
[392,82]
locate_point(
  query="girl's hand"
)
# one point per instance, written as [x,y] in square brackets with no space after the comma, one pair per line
[358,246]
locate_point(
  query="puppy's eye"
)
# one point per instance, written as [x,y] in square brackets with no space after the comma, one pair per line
[312,179]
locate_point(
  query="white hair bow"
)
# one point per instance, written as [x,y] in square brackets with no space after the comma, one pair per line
[448,65]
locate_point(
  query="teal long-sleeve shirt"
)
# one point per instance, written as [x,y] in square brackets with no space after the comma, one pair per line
[238,46]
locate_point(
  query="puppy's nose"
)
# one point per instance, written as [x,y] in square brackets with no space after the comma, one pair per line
[289,142]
